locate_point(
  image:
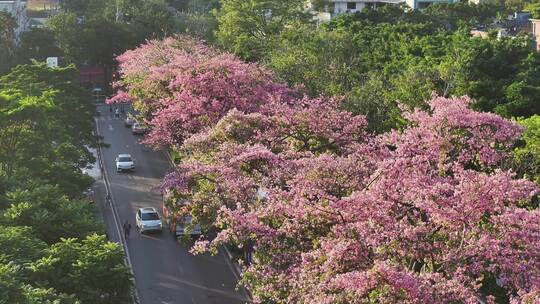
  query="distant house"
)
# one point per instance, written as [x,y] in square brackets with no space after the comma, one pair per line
[535,31]
[518,23]
[17,9]
[343,6]
[336,7]
[483,1]
[420,4]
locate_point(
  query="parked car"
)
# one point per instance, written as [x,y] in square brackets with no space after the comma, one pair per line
[129,121]
[148,219]
[180,225]
[125,162]
[184,225]
[98,96]
[138,128]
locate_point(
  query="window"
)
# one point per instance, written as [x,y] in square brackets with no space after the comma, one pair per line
[150,216]
[124,159]
[351,5]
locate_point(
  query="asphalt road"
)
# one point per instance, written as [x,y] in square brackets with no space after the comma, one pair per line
[165,272]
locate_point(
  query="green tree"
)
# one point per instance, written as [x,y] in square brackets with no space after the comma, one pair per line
[19,245]
[534,9]
[37,44]
[21,130]
[93,270]
[7,41]
[67,32]
[45,209]
[527,157]
[13,289]
[43,107]
[246,27]
[150,20]
[198,25]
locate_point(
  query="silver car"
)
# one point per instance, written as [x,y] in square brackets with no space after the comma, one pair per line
[147,219]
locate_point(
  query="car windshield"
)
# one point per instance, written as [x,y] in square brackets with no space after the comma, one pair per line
[150,216]
[124,159]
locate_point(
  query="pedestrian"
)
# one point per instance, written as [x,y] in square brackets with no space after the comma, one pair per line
[116,113]
[110,108]
[127,229]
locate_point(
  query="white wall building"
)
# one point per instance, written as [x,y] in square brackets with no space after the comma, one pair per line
[352,6]
[420,4]
[17,9]
[344,6]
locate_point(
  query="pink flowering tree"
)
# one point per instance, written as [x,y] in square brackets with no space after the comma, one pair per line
[182,86]
[427,214]
[228,165]
[422,215]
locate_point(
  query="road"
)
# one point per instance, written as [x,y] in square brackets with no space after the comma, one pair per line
[165,272]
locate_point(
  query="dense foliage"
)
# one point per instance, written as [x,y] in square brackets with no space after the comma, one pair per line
[182,87]
[332,212]
[376,57]
[527,156]
[50,250]
[246,27]
[87,32]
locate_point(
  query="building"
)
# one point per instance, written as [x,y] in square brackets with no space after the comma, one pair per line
[343,6]
[420,4]
[17,9]
[535,31]
[336,7]
[484,1]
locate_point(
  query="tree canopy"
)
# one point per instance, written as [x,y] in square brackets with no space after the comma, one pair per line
[333,212]
[50,248]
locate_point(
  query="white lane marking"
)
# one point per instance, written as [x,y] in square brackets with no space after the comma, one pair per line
[193,300]
[111,127]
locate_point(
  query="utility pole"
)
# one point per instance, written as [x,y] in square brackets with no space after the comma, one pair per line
[118,11]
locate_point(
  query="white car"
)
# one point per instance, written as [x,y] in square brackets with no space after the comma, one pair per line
[137,128]
[185,226]
[124,162]
[147,219]
[128,122]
